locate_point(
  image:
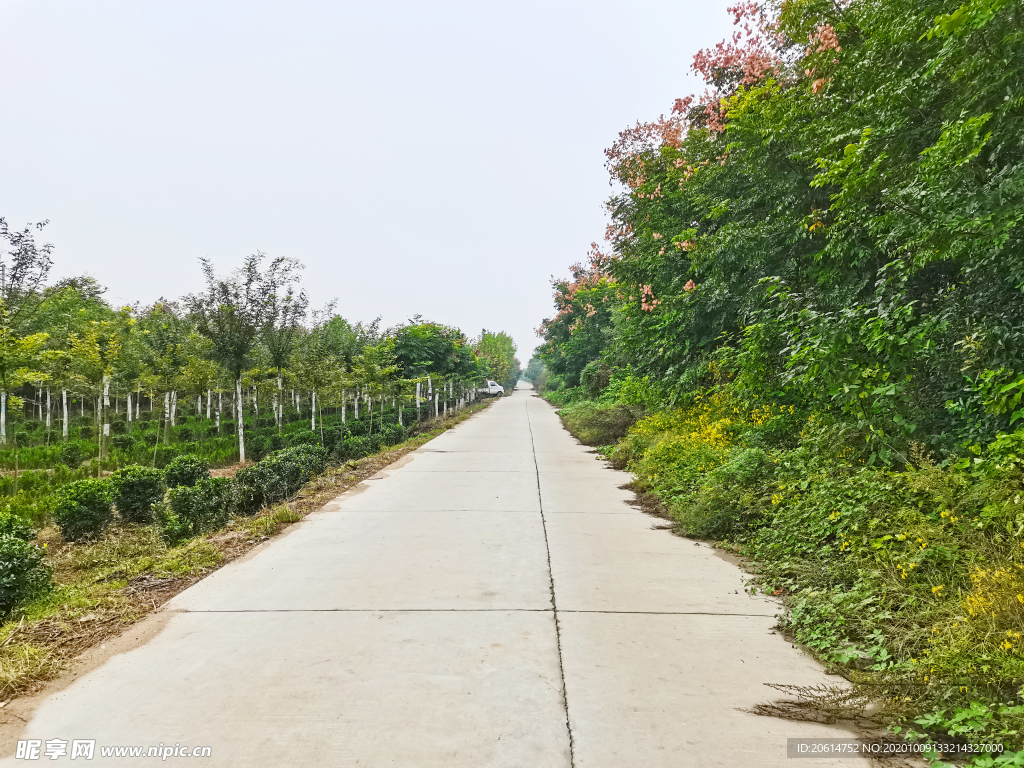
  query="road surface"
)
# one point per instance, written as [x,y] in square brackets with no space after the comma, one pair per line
[492,600]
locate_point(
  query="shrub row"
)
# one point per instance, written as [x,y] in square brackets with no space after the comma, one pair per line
[183,499]
[276,477]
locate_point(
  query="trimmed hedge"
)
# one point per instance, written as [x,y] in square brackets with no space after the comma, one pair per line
[192,509]
[187,469]
[163,455]
[71,455]
[84,509]
[23,574]
[136,490]
[276,477]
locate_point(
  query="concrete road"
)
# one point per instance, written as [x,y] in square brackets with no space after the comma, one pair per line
[492,601]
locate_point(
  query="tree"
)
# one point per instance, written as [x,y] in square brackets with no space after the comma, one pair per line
[234,313]
[24,266]
[533,369]
[165,344]
[288,304]
[499,352]
[584,327]
[424,347]
[375,368]
[67,308]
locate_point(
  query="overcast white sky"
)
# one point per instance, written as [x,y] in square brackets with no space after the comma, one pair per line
[437,158]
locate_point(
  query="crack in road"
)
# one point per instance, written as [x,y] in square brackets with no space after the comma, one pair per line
[551,578]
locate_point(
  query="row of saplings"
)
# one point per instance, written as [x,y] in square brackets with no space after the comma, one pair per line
[182,500]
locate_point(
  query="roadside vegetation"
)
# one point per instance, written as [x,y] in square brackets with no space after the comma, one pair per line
[143,447]
[805,338]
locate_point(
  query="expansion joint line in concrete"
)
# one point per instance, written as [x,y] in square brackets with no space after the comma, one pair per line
[551,581]
[468,610]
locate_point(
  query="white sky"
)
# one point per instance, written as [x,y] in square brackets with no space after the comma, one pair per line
[437,158]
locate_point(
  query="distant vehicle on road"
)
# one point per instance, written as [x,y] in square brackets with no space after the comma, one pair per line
[491,389]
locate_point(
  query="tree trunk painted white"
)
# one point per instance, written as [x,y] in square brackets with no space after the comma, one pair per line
[105,444]
[3,418]
[437,395]
[279,404]
[64,427]
[167,418]
[209,403]
[220,407]
[138,402]
[312,410]
[49,411]
[400,414]
[255,408]
[240,420]
[355,404]
[128,410]
[174,408]
[343,406]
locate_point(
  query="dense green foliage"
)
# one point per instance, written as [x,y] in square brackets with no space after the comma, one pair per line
[497,355]
[815,293]
[84,509]
[186,469]
[276,477]
[136,490]
[194,508]
[12,524]
[23,574]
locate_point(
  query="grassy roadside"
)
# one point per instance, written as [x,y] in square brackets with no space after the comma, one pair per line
[907,581]
[105,586]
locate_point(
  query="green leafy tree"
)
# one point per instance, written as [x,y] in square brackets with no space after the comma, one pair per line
[499,352]
[234,313]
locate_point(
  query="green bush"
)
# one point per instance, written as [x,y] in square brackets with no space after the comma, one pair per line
[351,448]
[163,455]
[393,434]
[193,509]
[84,509]
[23,574]
[304,437]
[71,455]
[34,508]
[256,446]
[123,442]
[187,469]
[596,424]
[136,490]
[16,526]
[595,377]
[276,477]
